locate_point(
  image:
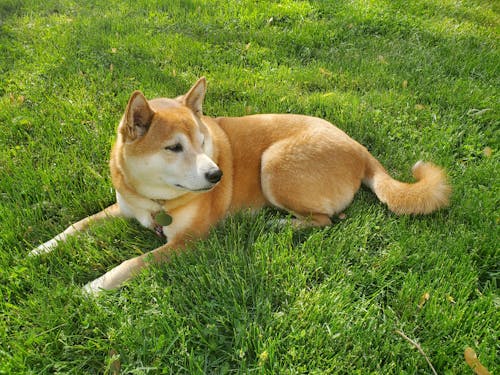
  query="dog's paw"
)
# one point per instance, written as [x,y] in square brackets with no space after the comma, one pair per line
[94,288]
[44,248]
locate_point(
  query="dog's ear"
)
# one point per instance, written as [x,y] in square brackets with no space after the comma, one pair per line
[137,118]
[194,98]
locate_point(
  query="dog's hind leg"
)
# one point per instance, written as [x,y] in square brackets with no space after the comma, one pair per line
[310,178]
[47,247]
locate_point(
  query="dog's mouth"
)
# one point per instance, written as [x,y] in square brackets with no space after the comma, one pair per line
[200,190]
[212,178]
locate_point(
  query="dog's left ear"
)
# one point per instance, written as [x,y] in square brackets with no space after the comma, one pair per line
[194,98]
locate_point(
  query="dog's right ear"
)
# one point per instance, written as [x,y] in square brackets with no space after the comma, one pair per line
[195,96]
[137,118]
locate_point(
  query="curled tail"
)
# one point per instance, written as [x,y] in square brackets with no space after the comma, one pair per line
[429,193]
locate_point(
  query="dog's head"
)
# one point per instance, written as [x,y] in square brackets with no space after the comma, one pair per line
[167,149]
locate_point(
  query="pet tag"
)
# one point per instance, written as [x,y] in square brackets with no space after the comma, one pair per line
[163,218]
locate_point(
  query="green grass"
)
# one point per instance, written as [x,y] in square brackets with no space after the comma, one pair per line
[409,79]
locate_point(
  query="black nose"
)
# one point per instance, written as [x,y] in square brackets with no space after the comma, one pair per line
[213,176]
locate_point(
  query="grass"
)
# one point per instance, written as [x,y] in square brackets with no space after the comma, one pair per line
[409,79]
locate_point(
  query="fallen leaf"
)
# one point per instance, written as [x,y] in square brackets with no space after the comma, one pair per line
[113,50]
[473,362]
[263,357]
[487,151]
[325,72]
[405,84]
[425,297]
[451,299]
[382,59]
[247,46]
[115,366]
[419,107]
[242,354]
[16,100]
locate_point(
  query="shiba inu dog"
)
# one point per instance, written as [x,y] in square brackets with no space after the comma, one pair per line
[179,172]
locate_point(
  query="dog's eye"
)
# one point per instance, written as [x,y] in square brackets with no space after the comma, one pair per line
[175,148]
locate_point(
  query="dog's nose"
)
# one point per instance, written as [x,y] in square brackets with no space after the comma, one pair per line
[213,176]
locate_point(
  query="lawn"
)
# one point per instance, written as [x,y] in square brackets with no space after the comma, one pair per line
[409,79]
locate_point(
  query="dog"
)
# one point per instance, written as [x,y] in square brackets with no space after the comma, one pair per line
[179,173]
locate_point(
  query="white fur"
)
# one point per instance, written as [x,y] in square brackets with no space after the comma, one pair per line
[46,247]
[182,221]
[168,175]
[141,209]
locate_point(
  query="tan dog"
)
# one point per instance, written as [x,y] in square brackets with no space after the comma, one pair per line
[169,158]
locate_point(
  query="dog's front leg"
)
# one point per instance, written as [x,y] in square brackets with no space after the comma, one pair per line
[130,268]
[47,247]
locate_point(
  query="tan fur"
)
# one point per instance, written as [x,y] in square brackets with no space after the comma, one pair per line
[301,164]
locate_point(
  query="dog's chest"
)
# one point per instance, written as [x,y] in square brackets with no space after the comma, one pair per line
[182,220]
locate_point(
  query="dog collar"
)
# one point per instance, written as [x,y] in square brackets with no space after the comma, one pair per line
[161,219]
[161,202]
[158,229]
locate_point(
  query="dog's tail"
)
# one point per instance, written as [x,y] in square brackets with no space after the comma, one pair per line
[430,192]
